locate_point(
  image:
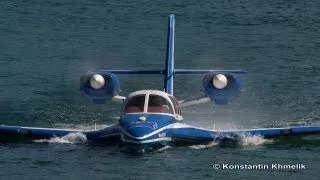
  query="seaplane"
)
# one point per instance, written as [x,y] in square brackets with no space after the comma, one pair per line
[153,118]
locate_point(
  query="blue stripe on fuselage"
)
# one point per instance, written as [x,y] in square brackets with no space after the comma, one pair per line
[131,124]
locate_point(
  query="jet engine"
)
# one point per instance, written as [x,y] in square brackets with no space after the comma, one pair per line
[220,87]
[99,87]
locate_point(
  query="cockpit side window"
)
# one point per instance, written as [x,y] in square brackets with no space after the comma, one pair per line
[158,104]
[135,105]
[176,105]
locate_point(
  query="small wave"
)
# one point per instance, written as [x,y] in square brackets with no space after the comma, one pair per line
[311,138]
[245,140]
[253,140]
[203,146]
[163,148]
[71,138]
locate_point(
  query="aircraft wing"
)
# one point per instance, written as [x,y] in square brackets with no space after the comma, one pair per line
[111,132]
[273,132]
[184,132]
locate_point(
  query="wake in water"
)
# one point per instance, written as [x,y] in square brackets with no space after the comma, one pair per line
[71,138]
[253,140]
[244,140]
[204,146]
[163,148]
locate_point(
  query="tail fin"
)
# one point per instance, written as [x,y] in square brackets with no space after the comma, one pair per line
[169,69]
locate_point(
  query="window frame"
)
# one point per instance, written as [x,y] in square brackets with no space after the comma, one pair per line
[170,99]
[168,103]
[124,110]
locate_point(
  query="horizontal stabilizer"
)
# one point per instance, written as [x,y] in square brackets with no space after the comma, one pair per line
[175,71]
[130,71]
[195,71]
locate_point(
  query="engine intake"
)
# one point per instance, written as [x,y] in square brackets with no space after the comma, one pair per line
[99,87]
[220,87]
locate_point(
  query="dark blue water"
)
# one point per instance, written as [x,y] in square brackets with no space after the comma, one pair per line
[46,45]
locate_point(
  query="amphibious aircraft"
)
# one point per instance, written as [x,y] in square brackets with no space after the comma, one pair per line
[153,117]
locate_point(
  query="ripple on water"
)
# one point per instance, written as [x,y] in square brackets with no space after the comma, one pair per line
[71,138]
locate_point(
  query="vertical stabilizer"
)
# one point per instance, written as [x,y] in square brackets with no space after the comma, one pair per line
[169,69]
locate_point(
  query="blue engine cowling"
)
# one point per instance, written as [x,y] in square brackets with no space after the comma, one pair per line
[110,88]
[221,96]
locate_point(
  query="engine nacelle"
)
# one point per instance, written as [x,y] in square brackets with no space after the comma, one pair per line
[220,87]
[99,87]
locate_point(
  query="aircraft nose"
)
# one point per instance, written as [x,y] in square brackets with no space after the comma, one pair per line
[139,129]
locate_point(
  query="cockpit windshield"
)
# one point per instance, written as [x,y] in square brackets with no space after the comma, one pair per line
[158,104]
[135,105]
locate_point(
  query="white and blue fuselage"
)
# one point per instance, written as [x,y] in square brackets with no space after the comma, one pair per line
[148,116]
